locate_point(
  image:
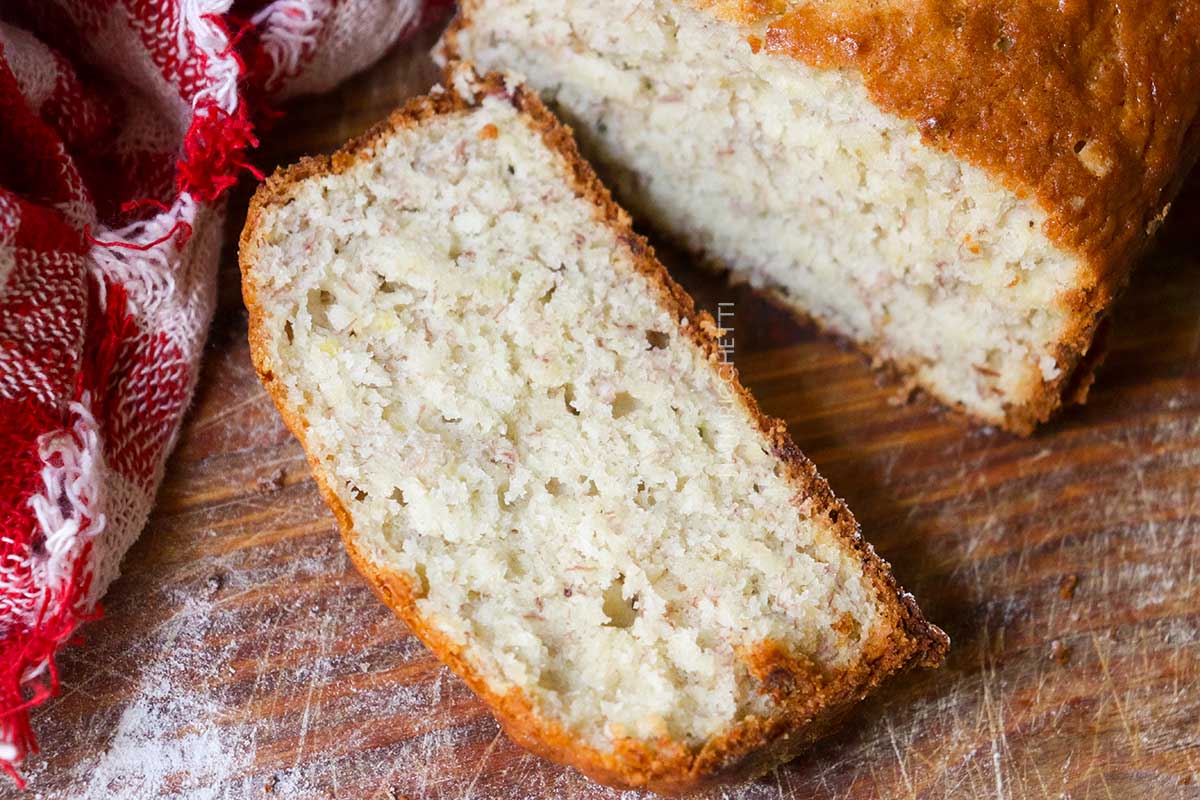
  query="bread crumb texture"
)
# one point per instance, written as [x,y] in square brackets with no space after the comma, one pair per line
[791,176]
[515,420]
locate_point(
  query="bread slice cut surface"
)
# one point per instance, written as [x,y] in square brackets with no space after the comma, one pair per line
[538,459]
[957,187]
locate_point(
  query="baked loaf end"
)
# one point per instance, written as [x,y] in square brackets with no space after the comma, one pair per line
[537,459]
[960,188]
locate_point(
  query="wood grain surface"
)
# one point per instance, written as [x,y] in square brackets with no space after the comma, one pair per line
[241,656]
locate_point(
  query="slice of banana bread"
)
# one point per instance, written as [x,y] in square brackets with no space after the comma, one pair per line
[959,187]
[539,461]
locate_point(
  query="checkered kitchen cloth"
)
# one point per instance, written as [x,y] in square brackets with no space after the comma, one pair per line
[122,122]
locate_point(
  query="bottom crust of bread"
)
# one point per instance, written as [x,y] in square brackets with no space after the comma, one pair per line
[1044,403]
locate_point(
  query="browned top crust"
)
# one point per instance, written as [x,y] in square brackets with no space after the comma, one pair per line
[810,702]
[1090,106]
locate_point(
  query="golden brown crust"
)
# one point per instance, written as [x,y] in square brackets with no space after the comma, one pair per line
[1092,107]
[753,744]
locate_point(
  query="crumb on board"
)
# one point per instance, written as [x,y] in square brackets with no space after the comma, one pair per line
[270,483]
[903,395]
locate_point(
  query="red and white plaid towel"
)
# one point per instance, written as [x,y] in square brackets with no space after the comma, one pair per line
[121,124]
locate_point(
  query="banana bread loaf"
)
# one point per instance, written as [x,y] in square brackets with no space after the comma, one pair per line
[959,187]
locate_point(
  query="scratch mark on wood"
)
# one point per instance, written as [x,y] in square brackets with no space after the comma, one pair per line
[899,758]
[1112,687]
[251,399]
[466,795]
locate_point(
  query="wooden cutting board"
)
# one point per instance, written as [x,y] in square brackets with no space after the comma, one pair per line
[241,656]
